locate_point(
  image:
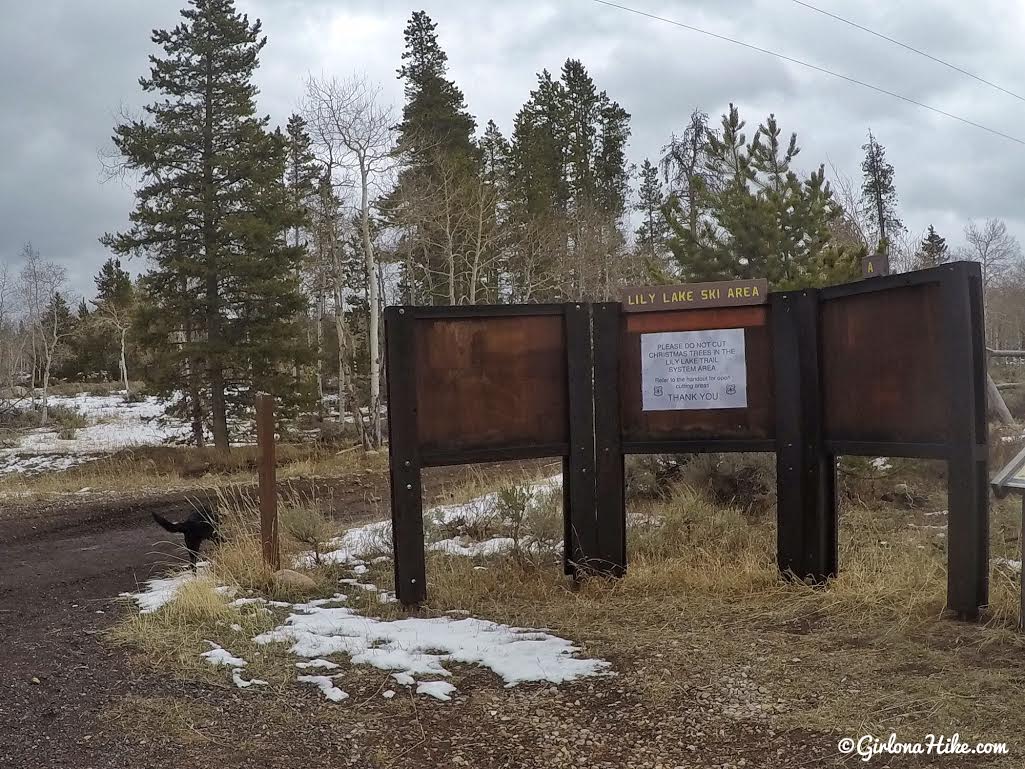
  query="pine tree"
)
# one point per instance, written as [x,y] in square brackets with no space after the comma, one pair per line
[684,167]
[439,159]
[212,216]
[434,118]
[112,282]
[933,250]
[652,232]
[878,194]
[569,186]
[752,216]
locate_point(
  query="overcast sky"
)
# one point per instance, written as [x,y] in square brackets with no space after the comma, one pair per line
[68,67]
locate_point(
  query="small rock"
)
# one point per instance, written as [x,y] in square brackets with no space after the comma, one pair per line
[36,680]
[294,580]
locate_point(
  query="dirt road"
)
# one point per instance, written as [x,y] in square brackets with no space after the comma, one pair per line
[61,565]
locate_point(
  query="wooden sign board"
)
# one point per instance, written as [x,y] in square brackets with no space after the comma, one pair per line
[875,266]
[744,409]
[693,296]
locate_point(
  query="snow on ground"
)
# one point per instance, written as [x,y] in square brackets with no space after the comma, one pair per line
[221,656]
[242,683]
[113,424]
[420,647]
[1014,566]
[440,690]
[881,463]
[326,685]
[355,545]
[412,648]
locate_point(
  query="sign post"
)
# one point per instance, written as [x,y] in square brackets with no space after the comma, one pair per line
[268,486]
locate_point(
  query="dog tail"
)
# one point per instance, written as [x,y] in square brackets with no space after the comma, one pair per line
[175,528]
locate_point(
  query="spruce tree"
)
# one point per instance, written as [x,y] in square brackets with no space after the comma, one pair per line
[933,250]
[212,216]
[652,231]
[438,157]
[878,193]
[569,184]
[112,282]
[753,216]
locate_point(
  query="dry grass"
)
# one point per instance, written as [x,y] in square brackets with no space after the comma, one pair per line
[703,598]
[167,468]
[701,608]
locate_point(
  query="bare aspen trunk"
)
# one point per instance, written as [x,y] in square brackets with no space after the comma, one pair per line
[340,335]
[124,362]
[374,296]
[46,384]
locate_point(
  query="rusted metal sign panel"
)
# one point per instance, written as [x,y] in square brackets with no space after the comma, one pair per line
[883,376]
[484,382]
[691,296]
[667,419]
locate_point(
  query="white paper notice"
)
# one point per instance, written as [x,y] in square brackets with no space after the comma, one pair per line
[694,370]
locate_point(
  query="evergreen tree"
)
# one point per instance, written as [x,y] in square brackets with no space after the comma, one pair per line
[568,187]
[212,216]
[301,174]
[878,194]
[684,167]
[439,162]
[434,118]
[652,232]
[933,250]
[112,282]
[752,215]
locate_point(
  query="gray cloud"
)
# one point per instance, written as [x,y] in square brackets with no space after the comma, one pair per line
[69,67]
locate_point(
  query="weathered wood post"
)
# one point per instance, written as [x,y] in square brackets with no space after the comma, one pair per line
[967,459]
[805,472]
[610,482]
[404,457]
[580,517]
[268,486]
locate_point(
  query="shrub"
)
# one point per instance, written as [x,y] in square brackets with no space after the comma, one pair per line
[66,418]
[743,481]
[307,525]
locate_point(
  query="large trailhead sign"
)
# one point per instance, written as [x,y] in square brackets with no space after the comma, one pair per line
[891,366]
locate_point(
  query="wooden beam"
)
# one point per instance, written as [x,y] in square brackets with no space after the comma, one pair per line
[268,484]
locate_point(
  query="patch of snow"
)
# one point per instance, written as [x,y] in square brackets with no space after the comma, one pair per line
[221,656]
[420,646]
[388,693]
[466,547]
[326,664]
[241,683]
[440,690]
[403,679]
[326,685]
[881,463]
[235,627]
[360,568]
[160,592]
[1007,563]
[357,544]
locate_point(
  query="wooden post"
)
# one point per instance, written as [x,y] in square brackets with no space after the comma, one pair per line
[967,473]
[404,457]
[268,486]
[805,473]
[610,501]
[579,514]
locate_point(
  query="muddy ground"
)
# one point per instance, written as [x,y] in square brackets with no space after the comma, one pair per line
[62,563]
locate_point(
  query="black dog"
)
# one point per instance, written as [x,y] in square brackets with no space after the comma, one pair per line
[200,526]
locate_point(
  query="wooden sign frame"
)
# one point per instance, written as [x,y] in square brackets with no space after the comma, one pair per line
[803,342]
